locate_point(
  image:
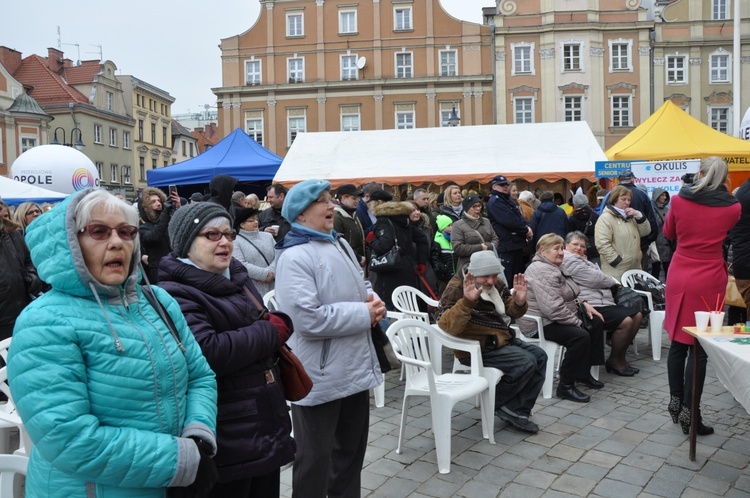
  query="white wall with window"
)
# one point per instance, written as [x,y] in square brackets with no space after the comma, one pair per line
[296,123]
[719,118]
[114,173]
[676,69]
[404,64]
[125,139]
[446,110]
[523,58]
[523,110]
[347,21]
[405,116]
[720,9]
[100,170]
[620,110]
[448,62]
[254,125]
[572,56]
[141,168]
[348,64]
[113,137]
[573,107]
[110,101]
[126,175]
[28,143]
[350,118]
[296,69]
[295,24]
[253,71]
[402,18]
[97,134]
[620,55]
[720,63]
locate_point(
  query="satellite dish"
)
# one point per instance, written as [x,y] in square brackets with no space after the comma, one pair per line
[361,62]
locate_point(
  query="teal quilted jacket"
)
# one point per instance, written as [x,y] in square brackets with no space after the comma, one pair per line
[102,386]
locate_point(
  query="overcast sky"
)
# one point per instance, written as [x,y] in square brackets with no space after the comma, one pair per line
[173,46]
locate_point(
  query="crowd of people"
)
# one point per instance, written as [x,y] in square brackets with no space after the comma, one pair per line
[163,300]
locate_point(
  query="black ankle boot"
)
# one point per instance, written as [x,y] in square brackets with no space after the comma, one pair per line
[569,392]
[673,407]
[701,430]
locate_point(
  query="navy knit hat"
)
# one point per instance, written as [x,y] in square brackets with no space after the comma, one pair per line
[188,221]
[302,195]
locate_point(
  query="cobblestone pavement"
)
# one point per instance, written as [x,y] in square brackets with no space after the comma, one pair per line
[622,444]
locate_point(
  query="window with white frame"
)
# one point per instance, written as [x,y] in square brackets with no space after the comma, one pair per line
[97,134]
[141,168]
[446,111]
[402,18]
[113,137]
[126,176]
[523,110]
[254,127]
[572,57]
[719,9]
[192,149]
[100,170]
[405,117]
[153,163]
[619,55]
[350,118]
[27,143]
[448,62]
[295,24]
[719,117]
[296,69]
[347,21]
[721,65]
[110,101]
[620,110]
[404,65]
[114,173]
[349,69]
[125,139]
[676,69]
[296,123]
[523,58]
[573,108]
[253,72]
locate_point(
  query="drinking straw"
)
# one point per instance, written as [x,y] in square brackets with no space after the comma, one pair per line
[717,302]
[722,304]
[706,303]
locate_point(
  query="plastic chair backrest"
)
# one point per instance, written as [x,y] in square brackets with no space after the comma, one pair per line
[10,465]
[406,299]
[629,280]
[269,300]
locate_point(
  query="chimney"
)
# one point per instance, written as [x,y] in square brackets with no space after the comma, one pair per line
[10,59]
[54,60]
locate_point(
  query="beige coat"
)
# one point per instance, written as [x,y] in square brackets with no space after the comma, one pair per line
[618,241]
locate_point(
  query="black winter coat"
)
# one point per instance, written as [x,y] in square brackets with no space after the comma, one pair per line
[549,218]
[253,425]
[507,221]
[584,220]
[412,242]
[18,279]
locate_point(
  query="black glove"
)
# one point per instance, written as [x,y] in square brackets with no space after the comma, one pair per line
[205,478]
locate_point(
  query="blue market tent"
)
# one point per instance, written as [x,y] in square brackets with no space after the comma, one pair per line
[236,155]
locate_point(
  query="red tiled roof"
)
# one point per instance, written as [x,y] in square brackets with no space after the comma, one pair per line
[204,140]
[47,87]
[76,75]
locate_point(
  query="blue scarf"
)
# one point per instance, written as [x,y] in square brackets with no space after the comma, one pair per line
[329,236]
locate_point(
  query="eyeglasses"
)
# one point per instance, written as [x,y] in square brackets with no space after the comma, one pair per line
[325,200]
[216,235]
[104,232]
[33,212]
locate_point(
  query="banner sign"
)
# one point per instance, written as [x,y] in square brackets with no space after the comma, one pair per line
[666,175]
[611,169]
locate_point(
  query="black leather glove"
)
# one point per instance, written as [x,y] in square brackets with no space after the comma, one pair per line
[205,478]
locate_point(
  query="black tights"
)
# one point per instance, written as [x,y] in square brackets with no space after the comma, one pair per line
[681,375]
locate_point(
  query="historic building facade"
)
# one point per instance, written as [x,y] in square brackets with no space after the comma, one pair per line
[316,65]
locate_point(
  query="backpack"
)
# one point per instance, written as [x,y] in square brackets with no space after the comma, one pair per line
[657,290]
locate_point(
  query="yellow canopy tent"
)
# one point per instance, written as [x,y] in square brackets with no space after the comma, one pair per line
[671,133]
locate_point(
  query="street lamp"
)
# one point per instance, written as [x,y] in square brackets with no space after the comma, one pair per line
[78,143]
[453,119]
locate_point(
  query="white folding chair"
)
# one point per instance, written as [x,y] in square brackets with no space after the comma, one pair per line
[10,466]
[656,317]
[9,417]
[554,353]
[411,341]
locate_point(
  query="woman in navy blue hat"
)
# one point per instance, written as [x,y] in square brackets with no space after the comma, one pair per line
[321,285]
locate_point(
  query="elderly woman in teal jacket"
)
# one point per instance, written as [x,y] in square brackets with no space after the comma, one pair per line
[117,401]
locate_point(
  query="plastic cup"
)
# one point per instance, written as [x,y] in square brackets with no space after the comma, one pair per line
[717,321]
[275,229]
[701,320]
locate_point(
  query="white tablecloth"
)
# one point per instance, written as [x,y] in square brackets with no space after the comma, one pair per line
[730,357]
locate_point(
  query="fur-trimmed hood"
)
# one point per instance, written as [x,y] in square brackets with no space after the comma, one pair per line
[144,208]
[393,208]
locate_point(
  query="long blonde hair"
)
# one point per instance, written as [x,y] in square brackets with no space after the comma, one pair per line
[714,172]
[447,195]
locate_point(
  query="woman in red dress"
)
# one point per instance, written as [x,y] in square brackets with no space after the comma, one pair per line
[699,218]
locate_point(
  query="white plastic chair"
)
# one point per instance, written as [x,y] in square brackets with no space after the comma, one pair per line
[656,317]
[554,354]
[10,466]
[411,339]
[269,300]
[9,417]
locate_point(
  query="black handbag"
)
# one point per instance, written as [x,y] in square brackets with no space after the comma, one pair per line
[587,323]
[629,298]
[390,261]
[380,340]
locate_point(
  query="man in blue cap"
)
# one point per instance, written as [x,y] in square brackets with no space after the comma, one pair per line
[510,226]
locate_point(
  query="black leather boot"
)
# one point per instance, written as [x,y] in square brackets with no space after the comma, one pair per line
[674,406]
[569,392]
[701,430]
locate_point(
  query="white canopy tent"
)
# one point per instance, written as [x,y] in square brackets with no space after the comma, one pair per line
[541,151]
[14,193]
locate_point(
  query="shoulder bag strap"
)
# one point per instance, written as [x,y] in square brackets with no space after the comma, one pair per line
[393,229]
[256,248]
[163,314]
